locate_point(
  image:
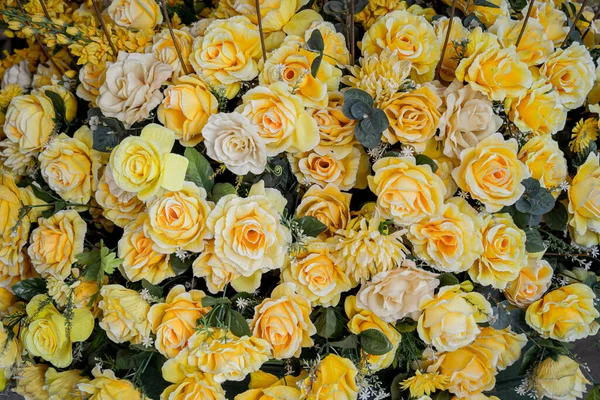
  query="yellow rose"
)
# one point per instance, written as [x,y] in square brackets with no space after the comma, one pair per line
[7,300]
[283,321]
[533,281]
[31,383]
[91,78]
[118,205]
[85,295]
[106,385]
[335,51]
[29,122]
[186,108]
[63,385]
[470,370]
[177,220]
[504,252]
[281,119]
[335,379]
[70,166]
[124,314]
[56,242]
[406,192]
[50,335]
[451,241]
[174,321]
[534,47]
[200,386]
[376,9]
[449,319]
[451,56]
[143,164]
[468,119]
[504,346]
[329,205]
[552,19]
[572,73]
[264,386]
[10,348]
[566,314]
[227,53]
[412,36]
[545,162]
[584,202]
[224,355]
[164,50]
[346,172]
[140,259]
[495,72]
[491,172]
[135,14]
[414,117]
[275,14]
[335,129]
[216,273]
[11,273]
[291,63]
[560,379]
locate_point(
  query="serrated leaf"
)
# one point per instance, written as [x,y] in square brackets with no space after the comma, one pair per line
[311,226]
[199,170]
[534,243]
[239,326]
[422,159]
[221,190]
[327,323]
[374,342]
[315,42]
[558,217]
[316,63]
[29,288]
[110,262]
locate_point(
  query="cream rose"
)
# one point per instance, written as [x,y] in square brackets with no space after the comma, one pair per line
[135,14]
[18,74]
[29,122]
[124,314]
[533,281]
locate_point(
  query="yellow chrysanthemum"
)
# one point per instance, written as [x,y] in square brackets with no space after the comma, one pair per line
[584,132]
[8,93]
[425,383]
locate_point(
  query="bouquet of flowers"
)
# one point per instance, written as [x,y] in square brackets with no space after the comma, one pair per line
[298,199]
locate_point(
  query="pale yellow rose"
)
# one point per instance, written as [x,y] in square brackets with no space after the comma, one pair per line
[106,385]
[534,47]
[177,220]
[414,117]
[504,253]
[91,78]
[450,241]
[124,314]
[346,173]
[459,34]
[486,14]
[316,275]
[200,386]
[503,346]
[227,54]
[449,319]
[572,73]
[139,258]
[216,273]
[70,166]
[164,50]
[552,19]
[470,370]
[131,87]
[291,63]
[56,242]
[224,355]
[335,129]
[29,122]
[376,9]
[412,36]
[143,164]
[335,51]
[11,273]
[275,14]
[491,172]
[468,119]
[406,192]
[135,14]
[280,117]
[329,205]
[63,385]
[174,321]
[31,383]
[69,100]
[533,281]
[234,140]
[495,72]
[264,386]
[395,294]
[118,205]
[186,107]
[335,379]
[545,161]
[10,348]
[566,314]
[7,300]
[50,335]
[560,379]
[584,202]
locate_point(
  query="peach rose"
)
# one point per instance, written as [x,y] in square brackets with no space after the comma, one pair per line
[329,205]
[545,161]
[533,281]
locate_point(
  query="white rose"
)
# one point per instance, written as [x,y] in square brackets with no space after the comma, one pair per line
[18,75]
[233,140]
[131,88]
[395,294]
[468,119]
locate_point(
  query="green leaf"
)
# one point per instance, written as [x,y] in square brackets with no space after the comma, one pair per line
[316,63]
[534,243]
[373,341]
[594,394]
[129,359]
[422,159]
[448,279]
[501,316]
[315,42]
[199,170]
[59,105]
[349,342]
[377,121]
[406,325]
[536,199]
[221,190]
[209,301]
[239,326]
[104,139]
[327,323]
[334,8]
[558,217]
[368,139]
[108,260]
[155,291]
[353,94]
[529,358]
[311,226]
[179,265]
[485,3]
[42,194]
[359,110]
[29,288]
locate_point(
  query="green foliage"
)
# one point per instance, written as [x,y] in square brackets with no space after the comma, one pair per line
[535,200]
[107,132]
[534,243]
[199,170]
[422,159]
[316,44]
[448,279]
[155,291]
[372,121]
[485,3]
[238,325]
[374,342]
[60,110]
[29,288]
[180,265]
[221,190]
[311,226]
[594,394]
[328,323]
[557,218]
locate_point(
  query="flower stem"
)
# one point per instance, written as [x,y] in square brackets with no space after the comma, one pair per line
[260,31]
[583,4]
[446,40]
[173,37]
[104,28]
[525,21]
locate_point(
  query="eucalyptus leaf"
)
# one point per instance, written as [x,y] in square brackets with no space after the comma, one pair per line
[534,243]
[316,63]
[558,217]
[359,110]
[367,139]
[104,139]
[357,94]
[334,8]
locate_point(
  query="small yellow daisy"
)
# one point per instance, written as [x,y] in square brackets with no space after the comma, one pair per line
[583,133]
[425,383]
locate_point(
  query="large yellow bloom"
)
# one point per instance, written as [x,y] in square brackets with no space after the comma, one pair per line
[566,314]
[199,386]
[545,161]
[164,50]
[335,129]
[50,335]
[329,205]
[503,346]
[335,379]
[31,383]
[124,314]
[584,202]
[64,385]
[413,38]
[106,385]
[533,281]
[135,14]
[534,47]
[560,379]
[216,273]
[29,122]
[264,386]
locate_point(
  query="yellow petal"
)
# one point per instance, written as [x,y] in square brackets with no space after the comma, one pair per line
[173,174]
[306,134]
[247,283]
[165,138]
[275,197]
[85,135]
[301,21]
[284,289]
[261,379]
[83,324]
